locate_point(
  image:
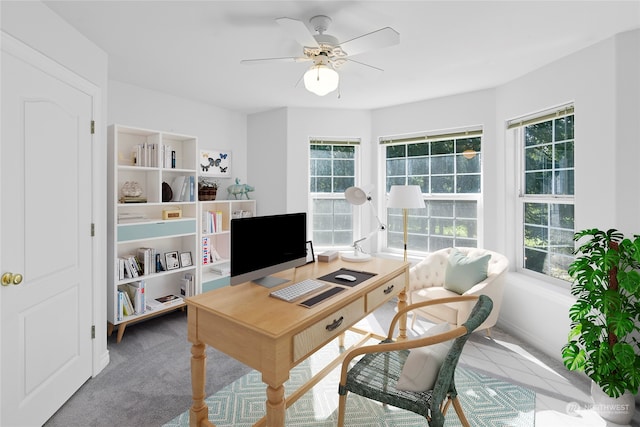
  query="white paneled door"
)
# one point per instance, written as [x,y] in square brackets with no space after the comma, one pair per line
[45,229]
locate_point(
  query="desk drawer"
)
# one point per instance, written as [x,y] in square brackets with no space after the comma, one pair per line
[327,329]
[382,294]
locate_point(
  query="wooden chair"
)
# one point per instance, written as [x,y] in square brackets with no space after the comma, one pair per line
[375,375]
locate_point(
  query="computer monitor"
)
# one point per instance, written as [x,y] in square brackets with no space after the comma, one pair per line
[264,245]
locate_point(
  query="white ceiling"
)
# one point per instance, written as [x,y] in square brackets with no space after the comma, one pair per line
[193,49]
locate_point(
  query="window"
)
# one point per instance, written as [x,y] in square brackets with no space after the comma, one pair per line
[332,169]
[546,202]
[448,170]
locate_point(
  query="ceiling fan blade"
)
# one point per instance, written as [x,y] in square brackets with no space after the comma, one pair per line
[362,63]
[282,59]
[378,39]
[298,31]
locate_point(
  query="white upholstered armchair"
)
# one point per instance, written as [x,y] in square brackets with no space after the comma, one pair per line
[427,282]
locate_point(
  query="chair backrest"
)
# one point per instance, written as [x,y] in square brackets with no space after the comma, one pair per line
[431,270]
[444,383]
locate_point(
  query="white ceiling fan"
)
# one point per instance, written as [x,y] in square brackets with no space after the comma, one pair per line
[326,52]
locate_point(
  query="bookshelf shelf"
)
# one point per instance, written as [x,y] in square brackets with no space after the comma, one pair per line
[219,238]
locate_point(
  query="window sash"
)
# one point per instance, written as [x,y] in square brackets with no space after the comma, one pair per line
[332,221]
[545,239]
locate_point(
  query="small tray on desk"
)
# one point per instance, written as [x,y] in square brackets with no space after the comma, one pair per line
[360,276]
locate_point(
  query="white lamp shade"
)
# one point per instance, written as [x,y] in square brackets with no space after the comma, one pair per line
[321,79]
[405,197]
[356,195]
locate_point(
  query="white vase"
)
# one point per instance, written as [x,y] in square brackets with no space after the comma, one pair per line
[616,410]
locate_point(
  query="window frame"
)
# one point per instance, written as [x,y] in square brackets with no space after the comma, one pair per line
[516,127]
[478,198]
[355,214]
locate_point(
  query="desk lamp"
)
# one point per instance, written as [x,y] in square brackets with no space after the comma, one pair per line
[358,196]
[405,197]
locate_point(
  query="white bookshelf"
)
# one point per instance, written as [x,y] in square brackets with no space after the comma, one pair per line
[145,157]
[214,269]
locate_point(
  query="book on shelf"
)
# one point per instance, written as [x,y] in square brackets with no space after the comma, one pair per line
[183,188]
[131,199]
[168,157]
[163,302]
[120,306]
[206,250]
[127,267]
[145,155]
[221,269]
[137,295]
[131,216]
[127,306]
[212,221]
[134,267]
[146,257]
[187,285]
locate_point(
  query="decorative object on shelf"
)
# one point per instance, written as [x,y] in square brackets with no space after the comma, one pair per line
[358,196]
[602,341]
[167,193]
[171,260]
[207,189]
[185,259]
[310,257]
[159,266]
[174,213]
[215,163]
[132,193]
[131,189]
[240,189]
[405,197]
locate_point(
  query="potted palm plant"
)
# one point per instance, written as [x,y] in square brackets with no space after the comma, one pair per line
[605,319]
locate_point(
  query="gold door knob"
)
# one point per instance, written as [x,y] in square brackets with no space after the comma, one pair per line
[10,278]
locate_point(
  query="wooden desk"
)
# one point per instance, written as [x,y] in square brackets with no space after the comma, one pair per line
[273,336]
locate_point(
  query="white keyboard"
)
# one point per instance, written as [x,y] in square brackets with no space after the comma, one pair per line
[297,290]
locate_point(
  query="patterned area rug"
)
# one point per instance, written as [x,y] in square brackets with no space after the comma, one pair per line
[487,402]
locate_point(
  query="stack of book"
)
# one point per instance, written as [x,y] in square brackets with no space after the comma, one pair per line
[131,299]
[184,188]
[212,221]
[163,302]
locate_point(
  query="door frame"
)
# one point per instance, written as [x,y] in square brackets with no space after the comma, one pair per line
[13,46]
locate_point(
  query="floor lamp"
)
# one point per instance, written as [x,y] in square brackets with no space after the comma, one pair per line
[358,196]
[405,197]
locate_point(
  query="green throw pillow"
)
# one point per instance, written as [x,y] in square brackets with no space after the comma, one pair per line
[463,272]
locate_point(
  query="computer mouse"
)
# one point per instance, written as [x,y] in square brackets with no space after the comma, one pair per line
[346,277]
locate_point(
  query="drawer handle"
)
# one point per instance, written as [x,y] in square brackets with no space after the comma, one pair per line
[388,290]
[336,324]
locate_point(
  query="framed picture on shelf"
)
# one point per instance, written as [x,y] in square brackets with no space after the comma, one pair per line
[171,260]
[185,259]
[310,257]
[215,163]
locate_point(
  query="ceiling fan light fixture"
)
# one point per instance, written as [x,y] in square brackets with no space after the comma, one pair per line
[321,79]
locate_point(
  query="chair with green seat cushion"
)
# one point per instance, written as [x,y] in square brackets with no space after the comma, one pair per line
[376,374]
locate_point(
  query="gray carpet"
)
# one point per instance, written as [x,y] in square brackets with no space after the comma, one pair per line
[148,379]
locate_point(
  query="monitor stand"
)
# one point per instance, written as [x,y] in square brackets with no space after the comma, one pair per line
[270,281]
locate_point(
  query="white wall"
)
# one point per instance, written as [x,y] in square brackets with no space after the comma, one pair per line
[536,311]
[627,57]
[215,127]
[37,26]
[267,162]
